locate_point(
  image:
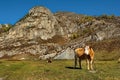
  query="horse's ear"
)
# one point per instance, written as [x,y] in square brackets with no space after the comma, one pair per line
[90,46]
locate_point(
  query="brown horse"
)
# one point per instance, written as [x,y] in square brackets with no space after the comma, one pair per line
[85,53]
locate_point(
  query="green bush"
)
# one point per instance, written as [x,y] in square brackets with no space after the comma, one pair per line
[104,16]
[86,19]
[74,36]
[87,31]
[5,29]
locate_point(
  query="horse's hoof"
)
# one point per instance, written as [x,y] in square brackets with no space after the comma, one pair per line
[92,71]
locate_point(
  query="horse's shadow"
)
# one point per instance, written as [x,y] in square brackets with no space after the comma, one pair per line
[72,67]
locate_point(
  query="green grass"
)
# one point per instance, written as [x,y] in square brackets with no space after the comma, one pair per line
[57,70]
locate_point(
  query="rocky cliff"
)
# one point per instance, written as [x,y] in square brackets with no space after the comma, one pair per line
[40,34]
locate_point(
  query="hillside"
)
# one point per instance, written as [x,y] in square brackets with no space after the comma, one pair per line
[40,34]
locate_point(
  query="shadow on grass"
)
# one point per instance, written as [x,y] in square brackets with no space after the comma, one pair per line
[1,62]
[73,67]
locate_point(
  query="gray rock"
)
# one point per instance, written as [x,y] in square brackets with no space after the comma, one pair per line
[44,57]
[67,54]
[100,35]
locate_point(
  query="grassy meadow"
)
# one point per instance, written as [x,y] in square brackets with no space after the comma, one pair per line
[58,70]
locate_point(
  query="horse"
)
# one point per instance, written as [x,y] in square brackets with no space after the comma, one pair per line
[84,53]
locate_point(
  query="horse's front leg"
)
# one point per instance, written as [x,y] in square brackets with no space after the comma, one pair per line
[91,64]
[88,64]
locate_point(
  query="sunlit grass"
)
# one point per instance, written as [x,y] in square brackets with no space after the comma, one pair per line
[58,70]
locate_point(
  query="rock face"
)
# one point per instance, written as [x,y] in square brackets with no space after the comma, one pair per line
[38,23]
[28,33]
[41,34]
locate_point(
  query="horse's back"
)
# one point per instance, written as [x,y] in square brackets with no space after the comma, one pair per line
[79,51]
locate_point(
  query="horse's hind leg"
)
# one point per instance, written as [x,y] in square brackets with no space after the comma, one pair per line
[80,63]
[75,61]
[88,64]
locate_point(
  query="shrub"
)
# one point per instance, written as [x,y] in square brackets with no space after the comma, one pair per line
[104,16]
[86,19]
[87,31]
[74,35]
[5,28]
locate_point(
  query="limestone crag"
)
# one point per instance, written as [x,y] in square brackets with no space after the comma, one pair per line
[39,22]
[40,34]
[29,34]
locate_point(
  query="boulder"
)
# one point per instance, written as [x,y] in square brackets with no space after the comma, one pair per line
[66,54]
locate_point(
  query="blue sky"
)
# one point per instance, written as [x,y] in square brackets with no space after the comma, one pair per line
[12,10]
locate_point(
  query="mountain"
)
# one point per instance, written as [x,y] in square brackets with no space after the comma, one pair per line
[40,34]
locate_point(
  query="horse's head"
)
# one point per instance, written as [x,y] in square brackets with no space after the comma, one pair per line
[87,50]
